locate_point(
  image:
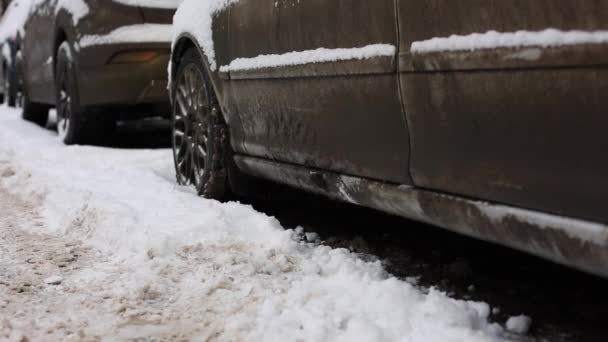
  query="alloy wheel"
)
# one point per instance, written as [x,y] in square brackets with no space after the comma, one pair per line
[191,121]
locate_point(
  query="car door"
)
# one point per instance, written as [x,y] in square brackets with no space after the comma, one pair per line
[506,122]
[341,114]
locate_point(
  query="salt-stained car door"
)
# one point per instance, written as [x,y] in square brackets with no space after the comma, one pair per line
[335,109]
[508,116]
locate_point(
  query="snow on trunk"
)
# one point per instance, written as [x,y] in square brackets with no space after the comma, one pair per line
[228,270]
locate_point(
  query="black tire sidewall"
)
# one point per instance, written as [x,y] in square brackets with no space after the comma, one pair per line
[11,89]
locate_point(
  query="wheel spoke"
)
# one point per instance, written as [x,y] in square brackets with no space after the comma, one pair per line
[191,113]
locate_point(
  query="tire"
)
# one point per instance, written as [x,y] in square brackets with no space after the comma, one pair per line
[30,111]
[10,86]
[199,133]
[74,124]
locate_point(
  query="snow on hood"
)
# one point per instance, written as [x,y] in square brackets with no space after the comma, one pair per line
[169,4]
[252,278]
[14,19]
[195,17]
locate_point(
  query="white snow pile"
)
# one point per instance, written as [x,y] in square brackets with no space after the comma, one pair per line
[228,271]
[140,33]
[493,40]
[320,55]
[519,324]
[168,4]
[195,17]
[13,20]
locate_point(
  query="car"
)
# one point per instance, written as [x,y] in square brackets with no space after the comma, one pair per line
[487,119]
[11,34]
[96,61]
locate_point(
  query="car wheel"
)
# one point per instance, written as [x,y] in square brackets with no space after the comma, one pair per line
[199,133]
[74,125]
[31,111]
[10,88]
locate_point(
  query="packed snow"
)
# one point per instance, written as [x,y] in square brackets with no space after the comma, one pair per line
[195,17]
[13,20]
[320,55]
[185,264]
[140,33]
[493,39]
[519,324]
[170,4]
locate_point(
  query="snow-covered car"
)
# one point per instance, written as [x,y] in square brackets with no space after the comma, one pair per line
[11,35]
[416,108]
[82,56]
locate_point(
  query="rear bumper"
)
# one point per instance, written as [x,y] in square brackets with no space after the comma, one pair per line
[103,83]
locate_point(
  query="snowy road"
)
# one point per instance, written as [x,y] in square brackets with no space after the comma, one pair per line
[101,243]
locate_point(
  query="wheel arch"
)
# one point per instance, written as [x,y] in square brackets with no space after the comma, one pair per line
[184,42]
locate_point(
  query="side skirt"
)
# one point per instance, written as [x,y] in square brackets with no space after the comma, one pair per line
[568,241]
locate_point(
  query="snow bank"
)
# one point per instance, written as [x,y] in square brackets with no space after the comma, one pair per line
[151,3]
[235,273]
[320,55]
[195,17]
[493,39]
[141,33]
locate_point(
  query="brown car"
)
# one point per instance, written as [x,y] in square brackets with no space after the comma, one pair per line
[96,61]
[484,117]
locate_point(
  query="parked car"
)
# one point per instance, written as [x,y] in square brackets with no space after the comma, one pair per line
[417,109]
[11,34]
[96,61]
